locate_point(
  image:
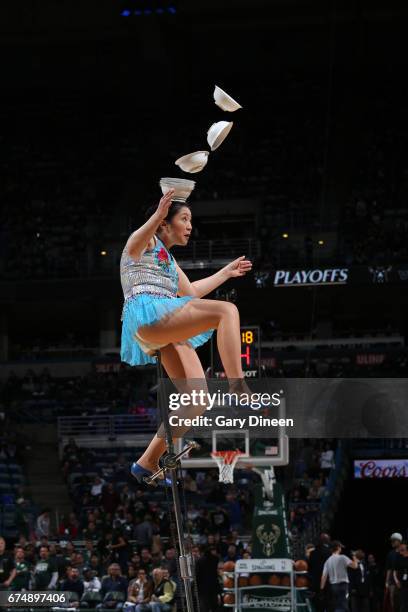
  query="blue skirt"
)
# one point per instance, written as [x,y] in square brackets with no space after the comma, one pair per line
[147,309]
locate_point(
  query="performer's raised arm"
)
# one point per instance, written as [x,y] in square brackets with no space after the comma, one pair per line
[139,240]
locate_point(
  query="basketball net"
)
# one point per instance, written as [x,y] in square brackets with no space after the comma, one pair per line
[226,461]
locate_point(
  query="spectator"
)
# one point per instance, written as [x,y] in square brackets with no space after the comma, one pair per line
[23,574]
[131,573]
[208,585]
[91,581]
[335,569]
[233,508]
[127,495]
[120,549]
[170,561]
[317,560]
[110,498]
[91,532]
[164,591]
[114,581]
[360,585]
[96,489]
[400,574]
[105,547]
[96,565]
[309,548]
[390,562]
[89,551]
[45,574]
[146,560]
[43,524]
[219,520]
[144,531]
[73,582]
[232,554]
[128,527]
[327,458]
[140,592]
[376,584]
[79,562]
[69,526]
[71,450]
[7,567]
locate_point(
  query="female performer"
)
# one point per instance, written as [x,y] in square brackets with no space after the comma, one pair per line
[164,311]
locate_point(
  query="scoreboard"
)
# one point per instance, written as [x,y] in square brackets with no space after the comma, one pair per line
[250,353]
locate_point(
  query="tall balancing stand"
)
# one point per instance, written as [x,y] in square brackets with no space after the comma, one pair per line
[170,464]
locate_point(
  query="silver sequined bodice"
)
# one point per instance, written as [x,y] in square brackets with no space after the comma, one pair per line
[155,273]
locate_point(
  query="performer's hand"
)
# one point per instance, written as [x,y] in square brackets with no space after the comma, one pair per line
[238,267]
[164,204]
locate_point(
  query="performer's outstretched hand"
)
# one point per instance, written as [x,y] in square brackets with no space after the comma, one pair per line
[239,267]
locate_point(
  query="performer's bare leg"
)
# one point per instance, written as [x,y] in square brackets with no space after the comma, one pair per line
[180,362]
[196,317]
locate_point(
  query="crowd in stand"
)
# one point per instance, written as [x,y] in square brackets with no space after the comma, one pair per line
[103,498]
[59,208]
[116,549]
[313,466]
[59,192]
[374,237]
[126,391]
[123,391]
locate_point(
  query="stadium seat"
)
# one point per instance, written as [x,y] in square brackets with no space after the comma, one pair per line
[90,599]
[116,596]
[73,597]
[75,476]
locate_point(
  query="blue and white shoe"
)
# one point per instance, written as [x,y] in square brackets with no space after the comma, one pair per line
[140,474]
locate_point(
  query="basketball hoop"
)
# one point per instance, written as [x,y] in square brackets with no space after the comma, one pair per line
[226,461]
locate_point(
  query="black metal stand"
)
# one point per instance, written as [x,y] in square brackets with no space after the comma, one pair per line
[170,464]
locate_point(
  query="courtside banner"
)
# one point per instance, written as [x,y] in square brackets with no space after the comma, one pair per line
[381,468]
[332,276]
[293,407]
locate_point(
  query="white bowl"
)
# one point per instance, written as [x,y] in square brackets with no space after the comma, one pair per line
[224,101]
[182,188]
[218,133]
[193,162]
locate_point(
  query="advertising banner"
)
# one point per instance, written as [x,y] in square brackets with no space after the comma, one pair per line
[269,527]
[381,468]
[330,276]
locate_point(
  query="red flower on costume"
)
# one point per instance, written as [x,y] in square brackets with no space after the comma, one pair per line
[163,259]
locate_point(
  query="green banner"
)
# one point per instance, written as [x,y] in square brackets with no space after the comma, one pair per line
[269,527]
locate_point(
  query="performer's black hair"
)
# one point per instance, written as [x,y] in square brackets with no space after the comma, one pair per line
[174,208]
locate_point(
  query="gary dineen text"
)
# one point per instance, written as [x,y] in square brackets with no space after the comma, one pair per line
[223,421]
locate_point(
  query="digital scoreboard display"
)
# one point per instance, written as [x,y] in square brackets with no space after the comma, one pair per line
[250,353]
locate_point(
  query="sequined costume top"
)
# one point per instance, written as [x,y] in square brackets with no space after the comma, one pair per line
[154,273]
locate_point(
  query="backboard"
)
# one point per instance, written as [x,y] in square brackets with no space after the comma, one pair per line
[257,452]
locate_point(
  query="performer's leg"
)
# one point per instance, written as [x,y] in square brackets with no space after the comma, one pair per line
[181,362]
[196,317]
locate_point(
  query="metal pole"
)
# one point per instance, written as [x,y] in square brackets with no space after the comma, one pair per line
[184,561]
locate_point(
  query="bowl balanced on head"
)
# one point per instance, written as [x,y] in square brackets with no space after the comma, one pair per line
[182,188]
